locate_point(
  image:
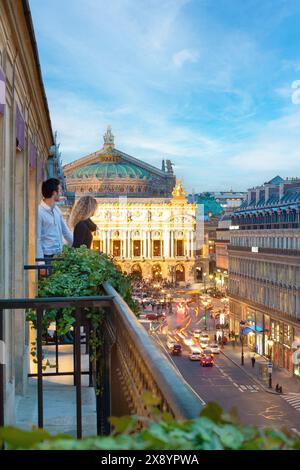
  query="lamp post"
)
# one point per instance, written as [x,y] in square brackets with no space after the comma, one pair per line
[242,323]
[204,280]
[169,303]
[205,306]
[270,366]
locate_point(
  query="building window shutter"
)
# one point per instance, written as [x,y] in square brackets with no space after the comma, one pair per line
[20,131]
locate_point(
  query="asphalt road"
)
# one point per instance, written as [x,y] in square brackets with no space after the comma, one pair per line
[231,388]
[228,385]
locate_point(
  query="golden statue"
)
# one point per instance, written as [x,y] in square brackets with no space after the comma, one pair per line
[178,191]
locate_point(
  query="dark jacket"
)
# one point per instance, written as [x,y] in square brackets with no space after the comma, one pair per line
[83,233]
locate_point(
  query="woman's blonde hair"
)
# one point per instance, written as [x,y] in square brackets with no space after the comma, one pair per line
[83,209]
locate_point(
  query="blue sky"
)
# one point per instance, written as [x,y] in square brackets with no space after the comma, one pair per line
[205,83]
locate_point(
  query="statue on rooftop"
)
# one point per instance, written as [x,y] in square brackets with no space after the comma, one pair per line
[108,137]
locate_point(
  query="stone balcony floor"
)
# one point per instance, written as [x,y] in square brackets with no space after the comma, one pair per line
[59,398]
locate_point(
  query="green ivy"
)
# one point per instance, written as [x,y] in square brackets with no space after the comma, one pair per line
[81,272]
[212,430]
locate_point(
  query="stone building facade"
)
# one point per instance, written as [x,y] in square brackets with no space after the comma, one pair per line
[145,221]
[25,137]
[264,269]
[153,239]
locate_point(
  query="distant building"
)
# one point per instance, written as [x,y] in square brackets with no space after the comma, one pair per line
[54,164]
[212,258]
[145,221]
[218,201]
[109,172]
[264,269]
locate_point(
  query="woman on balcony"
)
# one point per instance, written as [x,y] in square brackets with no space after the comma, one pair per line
[81,223]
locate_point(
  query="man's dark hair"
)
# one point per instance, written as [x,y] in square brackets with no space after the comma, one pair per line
[49,186]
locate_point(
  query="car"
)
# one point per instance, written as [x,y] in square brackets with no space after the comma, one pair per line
[206,361]
[214,348]
[188,340]
[176,350]
[154,316]
[196,333]
[204,338]
[207,352]
[171,343]
[195,355]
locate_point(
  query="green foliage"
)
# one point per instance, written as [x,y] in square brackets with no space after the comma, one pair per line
[81,273]
[212,430]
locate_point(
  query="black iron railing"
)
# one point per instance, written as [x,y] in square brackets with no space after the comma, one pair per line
[130,362]
[40,305]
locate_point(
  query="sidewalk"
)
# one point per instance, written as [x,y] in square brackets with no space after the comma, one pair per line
[279,376]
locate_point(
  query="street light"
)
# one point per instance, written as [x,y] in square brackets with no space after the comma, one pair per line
[242,323]
[204,279]
[205,305]
[270,367]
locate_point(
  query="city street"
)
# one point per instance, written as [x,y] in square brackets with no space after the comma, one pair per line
[231,388]
[225,382]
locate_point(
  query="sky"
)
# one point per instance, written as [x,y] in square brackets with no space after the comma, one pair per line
[212,85]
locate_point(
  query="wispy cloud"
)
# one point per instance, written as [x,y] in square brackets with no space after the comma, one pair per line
[185,55]
[207,88]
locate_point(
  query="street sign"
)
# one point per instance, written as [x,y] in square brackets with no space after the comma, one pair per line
[270,367]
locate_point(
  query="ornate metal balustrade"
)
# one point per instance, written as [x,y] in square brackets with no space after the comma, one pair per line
[130,363]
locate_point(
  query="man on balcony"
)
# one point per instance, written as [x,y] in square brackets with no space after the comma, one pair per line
[51,227]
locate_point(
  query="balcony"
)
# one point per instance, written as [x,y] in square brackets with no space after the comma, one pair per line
[129,364]
[271,251]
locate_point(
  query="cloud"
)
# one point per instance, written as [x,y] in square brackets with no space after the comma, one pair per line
[185,55]
[226,121]
[275,148]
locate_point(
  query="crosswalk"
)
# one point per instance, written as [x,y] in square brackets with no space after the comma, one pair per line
[247,388]
[293,399]
[241,387]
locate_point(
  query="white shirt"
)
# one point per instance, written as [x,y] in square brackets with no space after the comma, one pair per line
[51,229]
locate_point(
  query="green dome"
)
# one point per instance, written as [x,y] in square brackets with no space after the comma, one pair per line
[116,170]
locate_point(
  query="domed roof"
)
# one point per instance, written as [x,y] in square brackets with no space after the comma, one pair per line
[103,170]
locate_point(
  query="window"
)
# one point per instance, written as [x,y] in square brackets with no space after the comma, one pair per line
[156,248]
[179,248]
[116,248]
[136,247]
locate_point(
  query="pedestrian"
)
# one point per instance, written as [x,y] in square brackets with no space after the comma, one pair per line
[81,223]
[51,227]
[253,361]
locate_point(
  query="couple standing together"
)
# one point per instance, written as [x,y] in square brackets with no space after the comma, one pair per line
[52,229]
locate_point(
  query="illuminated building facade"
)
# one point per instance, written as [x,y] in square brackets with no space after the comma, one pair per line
[143,217]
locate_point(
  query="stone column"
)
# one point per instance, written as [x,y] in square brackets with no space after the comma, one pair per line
[149,245]
[192,244]
[187,244]
[108,242]
[144,244]
[124,251]
[166,244]
[104,242]
[128,244]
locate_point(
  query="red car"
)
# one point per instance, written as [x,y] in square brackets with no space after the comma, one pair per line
[206,360]
[154,316]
